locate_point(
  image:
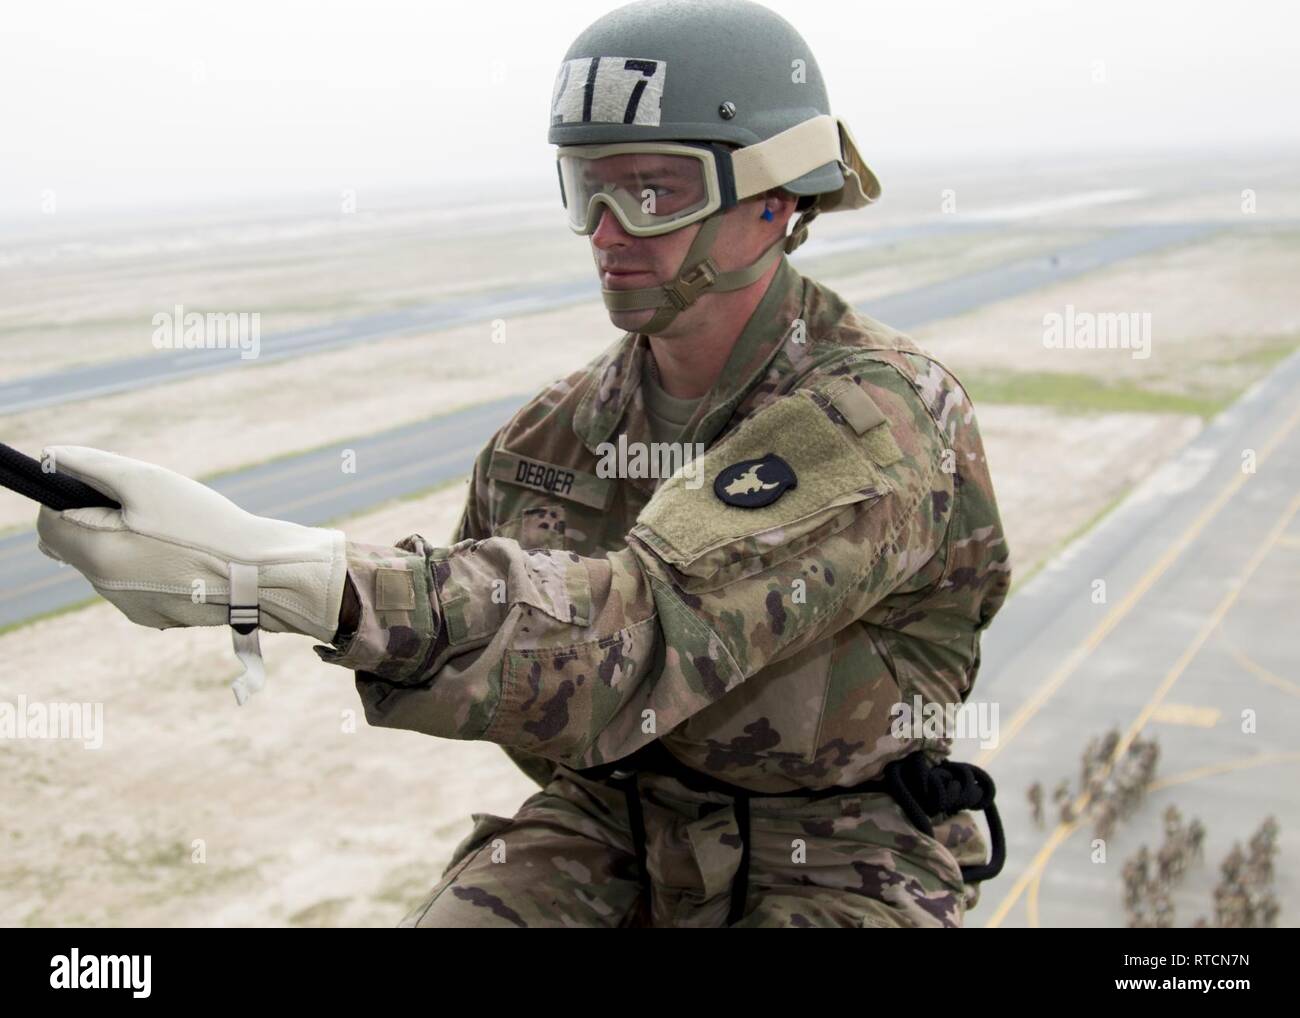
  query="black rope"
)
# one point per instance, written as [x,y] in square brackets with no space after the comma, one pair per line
[58,491]
[920,788]
[740,885]
[636,822]
[923,790]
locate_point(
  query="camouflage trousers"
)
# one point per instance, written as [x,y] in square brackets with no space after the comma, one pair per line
[567,858]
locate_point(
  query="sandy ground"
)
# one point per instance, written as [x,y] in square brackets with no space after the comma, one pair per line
[82,303]
[1209,304]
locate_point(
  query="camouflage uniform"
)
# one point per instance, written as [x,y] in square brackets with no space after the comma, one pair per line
[578,618]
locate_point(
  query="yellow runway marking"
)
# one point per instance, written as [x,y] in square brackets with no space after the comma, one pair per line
[1039,862]
[1257,669]
[1080,654]
[1187,714]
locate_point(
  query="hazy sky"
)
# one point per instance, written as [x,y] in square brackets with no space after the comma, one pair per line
[149,102]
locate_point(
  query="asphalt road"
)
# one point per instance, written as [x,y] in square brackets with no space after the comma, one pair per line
[1197,639]
[310,488]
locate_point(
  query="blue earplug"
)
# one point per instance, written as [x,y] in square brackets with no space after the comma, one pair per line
[767,214]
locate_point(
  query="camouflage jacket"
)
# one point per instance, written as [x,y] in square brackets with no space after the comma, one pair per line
[580,616]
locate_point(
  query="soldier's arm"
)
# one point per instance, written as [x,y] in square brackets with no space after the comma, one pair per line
[584,660]
[471,524]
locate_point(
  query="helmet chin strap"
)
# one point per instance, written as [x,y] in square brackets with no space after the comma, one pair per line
[697,274]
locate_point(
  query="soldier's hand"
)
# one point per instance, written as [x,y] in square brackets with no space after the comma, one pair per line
[165,558]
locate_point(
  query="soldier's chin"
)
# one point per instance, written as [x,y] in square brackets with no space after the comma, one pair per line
[631,321]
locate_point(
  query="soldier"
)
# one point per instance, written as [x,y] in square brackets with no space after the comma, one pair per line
[1106,818]
[702,677]
[1173,822]
[1108,744]
[1133,884]
[1150,757]
[1142,866]
[1126,795]
[1036,803]
[1164,910]
[1221,915]
[1259,866]
[1242,911]
[1196,839]
[1062,791]
[1262,841]
[1268,912]
[1231,867]
[1167,864]
[1090,761]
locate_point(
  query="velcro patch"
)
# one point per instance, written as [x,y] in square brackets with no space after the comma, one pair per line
[394,590]
[862,415]
[682,524]
[538,475]
[854,405]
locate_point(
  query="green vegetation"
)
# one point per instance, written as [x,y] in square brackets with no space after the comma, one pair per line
[1079,393]
[1203,385]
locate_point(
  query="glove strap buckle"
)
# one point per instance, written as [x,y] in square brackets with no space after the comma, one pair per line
[244,618]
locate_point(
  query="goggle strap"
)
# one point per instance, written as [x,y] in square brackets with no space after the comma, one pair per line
[786,156]
[687,277]
[800,232]
[691,282]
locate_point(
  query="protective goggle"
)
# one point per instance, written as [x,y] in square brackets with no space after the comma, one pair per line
[658,187]
[652,187]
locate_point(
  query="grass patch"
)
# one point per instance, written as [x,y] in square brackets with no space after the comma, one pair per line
[1084,394]
[1264,356]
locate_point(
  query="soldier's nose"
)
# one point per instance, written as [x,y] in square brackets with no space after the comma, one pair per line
[609,231]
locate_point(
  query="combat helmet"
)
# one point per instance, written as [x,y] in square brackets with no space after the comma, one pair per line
[669,113]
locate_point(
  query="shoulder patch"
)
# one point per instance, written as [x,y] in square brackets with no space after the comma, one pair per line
[695,529]
[752,484]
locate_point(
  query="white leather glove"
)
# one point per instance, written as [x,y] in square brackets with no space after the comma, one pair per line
[169,556]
